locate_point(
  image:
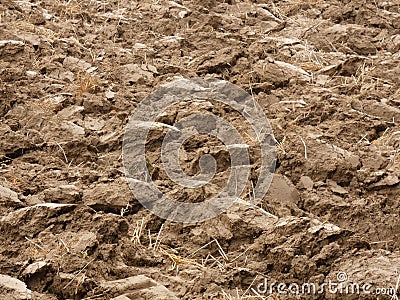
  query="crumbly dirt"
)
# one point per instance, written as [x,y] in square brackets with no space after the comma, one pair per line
[327,76]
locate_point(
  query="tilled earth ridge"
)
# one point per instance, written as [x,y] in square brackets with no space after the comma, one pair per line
[327,75]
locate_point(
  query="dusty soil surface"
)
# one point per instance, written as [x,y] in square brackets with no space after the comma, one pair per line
[327,75]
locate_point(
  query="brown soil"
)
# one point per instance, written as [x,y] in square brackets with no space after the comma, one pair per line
[327,75]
